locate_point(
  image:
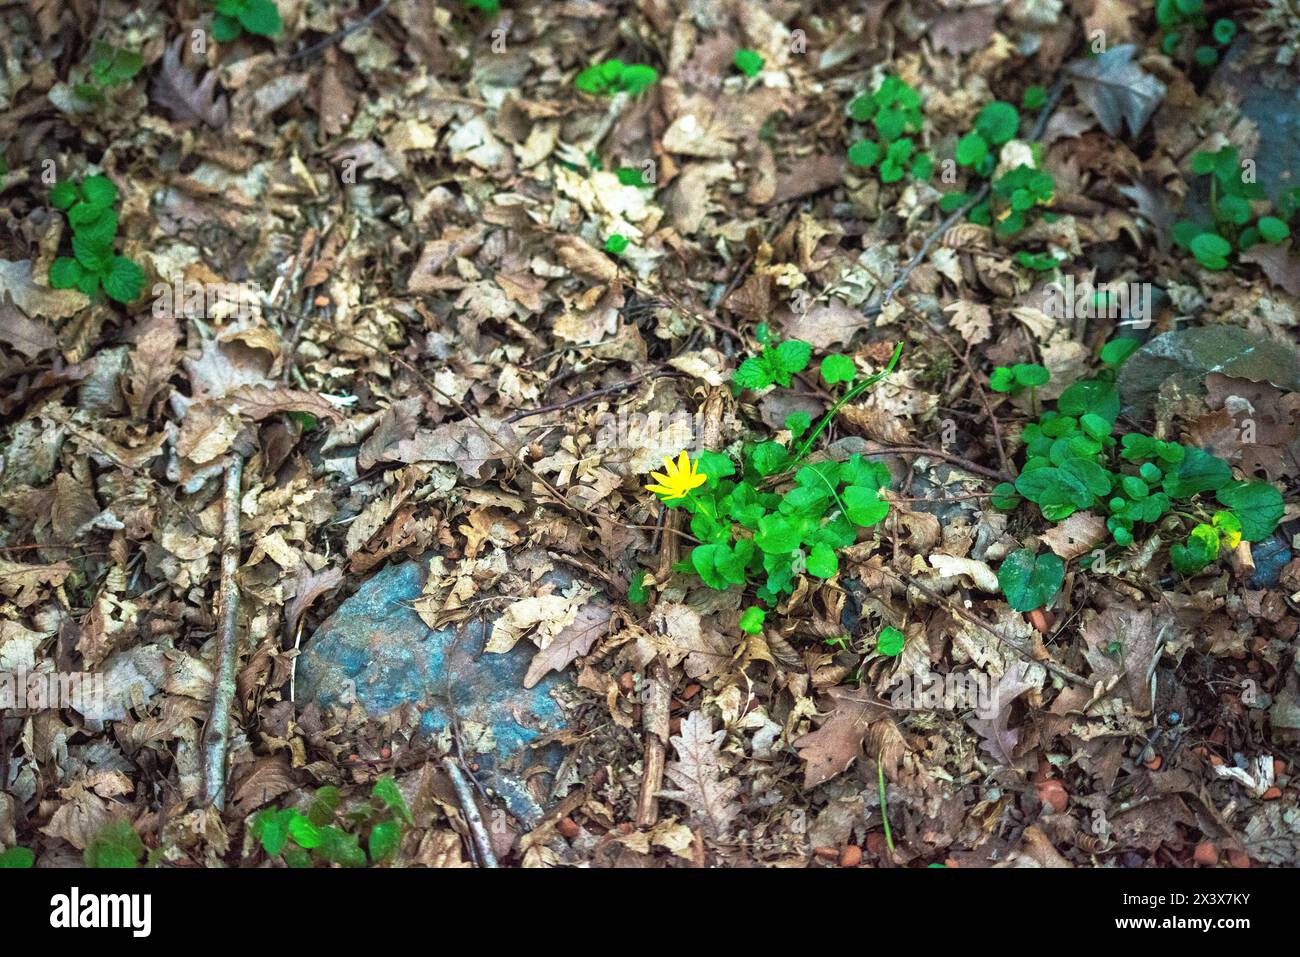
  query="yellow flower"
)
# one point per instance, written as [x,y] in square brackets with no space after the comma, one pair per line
[677,479]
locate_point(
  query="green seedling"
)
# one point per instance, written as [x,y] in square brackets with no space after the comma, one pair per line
[89,208]
[748,62]
[327,837]
[893,110]
[1182,31]
[1233,195]
[107,68]
[235,16]
[615,76]
[749,533]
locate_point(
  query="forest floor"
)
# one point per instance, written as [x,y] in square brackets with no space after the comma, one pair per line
[406,280]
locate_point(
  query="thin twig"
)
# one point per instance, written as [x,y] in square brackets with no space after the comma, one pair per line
[339,35]
[216,738]
[469,808]
[905,579]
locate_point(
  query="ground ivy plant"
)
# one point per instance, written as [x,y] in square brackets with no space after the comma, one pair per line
[108,67]
[88,205]
[763,521]
[323,836]
[1016,195]
[1076,461]
[1236,227]
[1182,24]
[894,112]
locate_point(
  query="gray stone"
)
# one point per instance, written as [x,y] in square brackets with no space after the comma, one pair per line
[376,648]
[1188,355]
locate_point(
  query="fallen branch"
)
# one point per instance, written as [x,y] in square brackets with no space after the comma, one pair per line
[469,808]
[216,738]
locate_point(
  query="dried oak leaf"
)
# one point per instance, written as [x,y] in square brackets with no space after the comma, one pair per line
[702,784]
[574,639]
[308,587]
[462,442]
[1254,424]
[189,101]
[1077,535]
[20,333]
[1000,740]
[1281,265]
[833,747]
[1120,645]
[683,635]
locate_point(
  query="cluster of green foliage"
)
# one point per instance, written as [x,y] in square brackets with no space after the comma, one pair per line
[116,845]
[615,76]
[1231,196]
[490,7]
[1181,23]
[1018,192]
[319,837]
[894,110]
[1074,461]
[751,535]
[616,244]
[16,858]
[108,67]
[89,208]
[748,62]
[1017,378]
[235,16]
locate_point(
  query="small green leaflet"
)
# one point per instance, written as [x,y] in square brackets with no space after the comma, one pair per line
[1030,581]
[890,641]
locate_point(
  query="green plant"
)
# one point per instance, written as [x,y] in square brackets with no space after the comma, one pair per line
[235,16]
[1232,193]
[1015,379]
[890,641]
[1017,192]
[16,858]
[89,208]
[1030,581]
[616,244]
[1182,23]
[1074,462]
[108,67]
[615,76]
[116,845]
[751,534]
[1034,98]
[490,7]
[319,836]
[894,110]
[748,62]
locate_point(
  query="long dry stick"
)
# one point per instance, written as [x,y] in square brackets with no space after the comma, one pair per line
[468,807]
[216,739]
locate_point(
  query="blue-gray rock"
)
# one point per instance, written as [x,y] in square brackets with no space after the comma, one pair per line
[1271,556]
[376,648]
